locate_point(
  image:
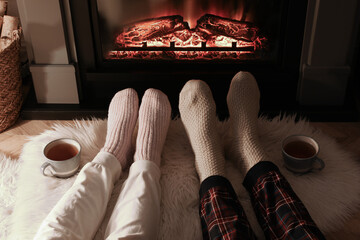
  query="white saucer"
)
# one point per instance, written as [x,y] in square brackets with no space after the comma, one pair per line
[65,174]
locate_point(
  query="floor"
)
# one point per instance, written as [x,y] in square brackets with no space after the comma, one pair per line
[347,134]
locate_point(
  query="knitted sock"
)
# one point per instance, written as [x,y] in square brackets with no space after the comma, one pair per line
[198,113]
[154,120]
[243,103]
[122,116]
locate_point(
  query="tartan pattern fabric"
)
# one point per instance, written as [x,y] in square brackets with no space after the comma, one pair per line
[222,216]
[279,210]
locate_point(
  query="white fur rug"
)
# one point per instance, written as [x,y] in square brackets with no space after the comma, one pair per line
[331,196]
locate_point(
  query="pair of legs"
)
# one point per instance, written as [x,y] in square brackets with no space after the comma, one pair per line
[279,211]
[136,215]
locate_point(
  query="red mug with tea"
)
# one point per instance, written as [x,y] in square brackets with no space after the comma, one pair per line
[62,158]
[300,154]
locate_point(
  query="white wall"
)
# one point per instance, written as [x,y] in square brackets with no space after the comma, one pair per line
[53,75]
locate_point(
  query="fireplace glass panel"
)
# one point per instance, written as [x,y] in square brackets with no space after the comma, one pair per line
[190,30]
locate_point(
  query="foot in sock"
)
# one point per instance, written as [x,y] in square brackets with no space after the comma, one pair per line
[243,103]
[122,117]
[198,113]
[154,120]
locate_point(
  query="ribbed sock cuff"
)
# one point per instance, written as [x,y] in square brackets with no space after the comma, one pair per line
[258,170]
[216,181]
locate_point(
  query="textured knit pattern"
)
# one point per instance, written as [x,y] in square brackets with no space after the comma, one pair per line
[244,102]
[122,116]
[198,113]
[222,216]
[279,210]
[154,120]
[11,93]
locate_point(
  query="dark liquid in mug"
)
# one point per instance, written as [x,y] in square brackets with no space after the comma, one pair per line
[62,151]
[299,149]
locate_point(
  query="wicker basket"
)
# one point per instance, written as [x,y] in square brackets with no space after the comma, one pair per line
[10,83]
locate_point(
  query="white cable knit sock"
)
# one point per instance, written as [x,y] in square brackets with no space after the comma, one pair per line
[122,116]
[198,113]
[154,120]
[243,103]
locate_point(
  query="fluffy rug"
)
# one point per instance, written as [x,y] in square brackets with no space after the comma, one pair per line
[331,196]
[9,169]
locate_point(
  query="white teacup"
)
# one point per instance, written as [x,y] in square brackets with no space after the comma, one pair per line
[62,158]
[300,154]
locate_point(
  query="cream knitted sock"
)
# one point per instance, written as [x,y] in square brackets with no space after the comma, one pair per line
[198,113]
[243,103]
[122,116]
[154,120]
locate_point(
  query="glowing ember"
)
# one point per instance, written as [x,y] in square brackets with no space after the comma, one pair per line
[181,55]
[170,37]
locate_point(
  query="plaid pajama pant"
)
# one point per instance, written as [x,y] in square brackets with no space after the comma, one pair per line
[278,209]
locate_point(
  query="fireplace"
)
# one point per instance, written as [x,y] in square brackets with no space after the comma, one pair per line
[171,38]
[156,35]
[163,44]
[112,45]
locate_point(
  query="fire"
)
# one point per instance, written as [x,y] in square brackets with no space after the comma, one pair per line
[181,55]
[192,10]
[170,37]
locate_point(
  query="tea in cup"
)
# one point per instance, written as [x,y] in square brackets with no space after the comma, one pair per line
[62,158]
[300,154]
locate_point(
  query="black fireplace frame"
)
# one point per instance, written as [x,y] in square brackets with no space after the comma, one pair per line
[98,81]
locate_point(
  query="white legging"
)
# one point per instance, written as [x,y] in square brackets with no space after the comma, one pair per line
[80,211]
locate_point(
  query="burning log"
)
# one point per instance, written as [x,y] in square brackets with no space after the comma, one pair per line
[160,32]
[151,28]
[171,38]
[183,35]
[215,25]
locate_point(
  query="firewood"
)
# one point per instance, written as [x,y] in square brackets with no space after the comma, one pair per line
[3,8]
[215,25]
[183,35]
[151,28]
[10,24]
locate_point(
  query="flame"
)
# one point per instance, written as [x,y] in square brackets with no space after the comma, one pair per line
[182,55]
[195,42]
[192,10]
[170,44]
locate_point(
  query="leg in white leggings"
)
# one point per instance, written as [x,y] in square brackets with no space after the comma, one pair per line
[136,216]
[137,211]
[80,211]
